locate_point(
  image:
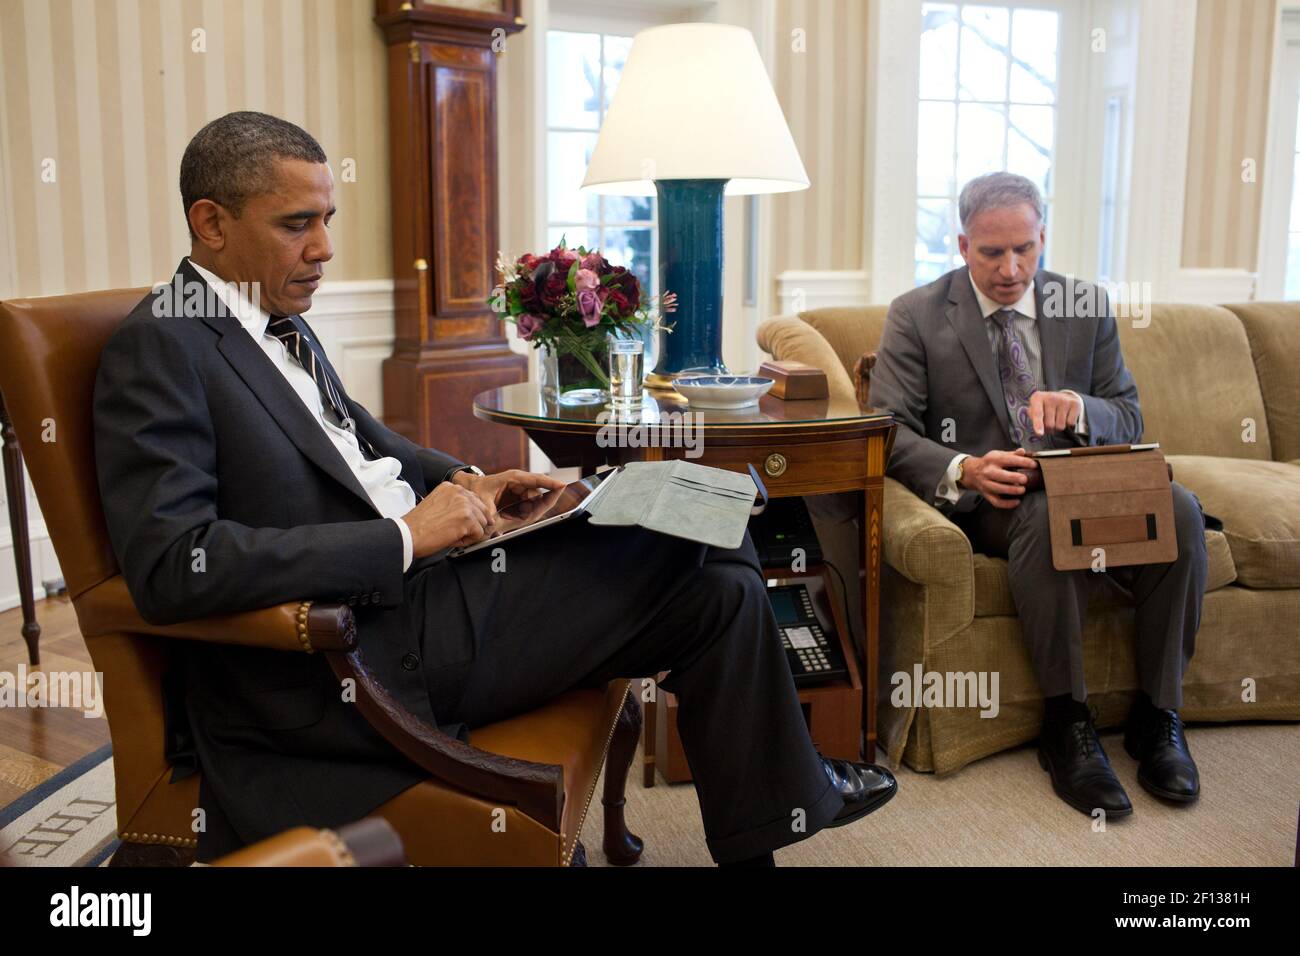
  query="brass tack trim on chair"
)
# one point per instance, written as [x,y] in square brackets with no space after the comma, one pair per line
[160,838]
[338,848]
[567,848]
[303,638]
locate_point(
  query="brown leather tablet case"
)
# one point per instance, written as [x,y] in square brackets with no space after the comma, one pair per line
[1110,498]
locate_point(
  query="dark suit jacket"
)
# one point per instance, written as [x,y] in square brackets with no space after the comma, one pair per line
[200,443]
[935,366]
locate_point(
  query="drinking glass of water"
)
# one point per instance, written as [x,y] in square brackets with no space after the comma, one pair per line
[625,370]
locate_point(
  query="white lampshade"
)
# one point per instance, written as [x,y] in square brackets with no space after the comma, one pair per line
[694,102]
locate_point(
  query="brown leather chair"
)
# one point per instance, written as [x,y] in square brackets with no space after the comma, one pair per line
[368,842]
[540,769]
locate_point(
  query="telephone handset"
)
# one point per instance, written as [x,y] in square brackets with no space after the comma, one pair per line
[814,654]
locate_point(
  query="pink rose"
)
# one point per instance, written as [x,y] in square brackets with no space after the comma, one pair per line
[590,304]
[528,325]
[594,262]
[585,279]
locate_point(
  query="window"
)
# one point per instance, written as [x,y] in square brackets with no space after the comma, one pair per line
[988,100]
[583,71]
[1108,238]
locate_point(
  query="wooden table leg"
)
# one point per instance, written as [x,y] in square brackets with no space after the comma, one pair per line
[16,492]
[649,727]
[873,506]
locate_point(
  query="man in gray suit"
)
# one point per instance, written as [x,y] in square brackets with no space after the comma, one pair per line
[981,367]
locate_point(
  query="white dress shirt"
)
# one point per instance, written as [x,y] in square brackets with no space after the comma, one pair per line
[1025,322]
[381,478]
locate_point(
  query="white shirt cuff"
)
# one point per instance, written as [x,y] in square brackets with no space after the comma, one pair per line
[408,546]
[1080,427]
[948,489]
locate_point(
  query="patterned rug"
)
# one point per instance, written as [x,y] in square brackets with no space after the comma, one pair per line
[69,820]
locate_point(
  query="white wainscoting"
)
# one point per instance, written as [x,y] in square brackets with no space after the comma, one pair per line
[800,291]
[354,321]
[1214,286]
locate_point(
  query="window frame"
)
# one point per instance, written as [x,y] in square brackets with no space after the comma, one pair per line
[1279,180]
[1005,104]
[890,229]
[620,22]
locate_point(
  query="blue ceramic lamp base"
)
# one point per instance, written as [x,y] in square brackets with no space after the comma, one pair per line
[690,264]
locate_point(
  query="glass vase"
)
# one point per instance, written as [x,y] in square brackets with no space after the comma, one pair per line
[567,379]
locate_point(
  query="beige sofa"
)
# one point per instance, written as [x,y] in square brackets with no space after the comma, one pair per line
[1220,391]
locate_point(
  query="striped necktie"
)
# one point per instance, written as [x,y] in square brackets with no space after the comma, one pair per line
[286,330]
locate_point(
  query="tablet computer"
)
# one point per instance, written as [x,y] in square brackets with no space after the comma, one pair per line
[531,514]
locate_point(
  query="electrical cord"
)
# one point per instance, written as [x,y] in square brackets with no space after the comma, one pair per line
[844,599]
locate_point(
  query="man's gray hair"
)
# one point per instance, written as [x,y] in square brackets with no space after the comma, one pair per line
[231,160]
[997,191]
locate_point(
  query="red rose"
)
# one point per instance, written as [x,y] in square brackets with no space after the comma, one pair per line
[624,291]
[551,285]
[528,297]
[563,259]
[529,261]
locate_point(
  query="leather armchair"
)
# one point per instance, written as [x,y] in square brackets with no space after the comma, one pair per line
[368,842]
[540,768]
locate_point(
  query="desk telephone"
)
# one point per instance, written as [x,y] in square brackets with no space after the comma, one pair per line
[813,651]
[811,644]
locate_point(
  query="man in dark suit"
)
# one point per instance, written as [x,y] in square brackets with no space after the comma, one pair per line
[997,359]
[237,473]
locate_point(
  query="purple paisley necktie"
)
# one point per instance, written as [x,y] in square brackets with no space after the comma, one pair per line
[1017,379]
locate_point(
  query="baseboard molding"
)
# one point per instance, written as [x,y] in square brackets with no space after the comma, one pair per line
[1214,286]
[44,564]
[799,291]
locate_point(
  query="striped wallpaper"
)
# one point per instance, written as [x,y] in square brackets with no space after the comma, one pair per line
[823,91]
[112,90]
[1229,118]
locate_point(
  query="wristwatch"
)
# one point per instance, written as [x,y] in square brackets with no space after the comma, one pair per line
[472,469]
[961,470]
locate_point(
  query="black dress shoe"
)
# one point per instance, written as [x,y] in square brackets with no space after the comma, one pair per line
[864,787]
[1155,739]
[1081,774]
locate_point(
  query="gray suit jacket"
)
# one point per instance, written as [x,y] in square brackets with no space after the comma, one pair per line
[936,373]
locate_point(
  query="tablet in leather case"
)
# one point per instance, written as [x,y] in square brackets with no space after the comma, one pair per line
[1113,498]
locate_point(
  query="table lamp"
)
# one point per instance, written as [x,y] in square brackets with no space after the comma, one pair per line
[694,118]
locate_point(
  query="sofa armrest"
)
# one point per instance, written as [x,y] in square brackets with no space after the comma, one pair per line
[921,544]
[788,338]
[306,626]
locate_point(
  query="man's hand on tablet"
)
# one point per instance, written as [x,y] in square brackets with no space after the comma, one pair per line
[450,517]
[515,483]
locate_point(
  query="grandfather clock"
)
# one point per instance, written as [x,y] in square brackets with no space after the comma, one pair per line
[442,118]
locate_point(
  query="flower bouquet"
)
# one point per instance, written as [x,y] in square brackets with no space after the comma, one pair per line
[568,303]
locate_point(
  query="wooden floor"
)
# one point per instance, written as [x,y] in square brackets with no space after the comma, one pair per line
[36,743]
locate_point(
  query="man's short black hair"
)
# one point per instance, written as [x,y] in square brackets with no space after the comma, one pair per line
[232,159]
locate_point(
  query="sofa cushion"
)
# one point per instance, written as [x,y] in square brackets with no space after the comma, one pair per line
[1196,381]
[993,589]
[1259,504]
[1273,329]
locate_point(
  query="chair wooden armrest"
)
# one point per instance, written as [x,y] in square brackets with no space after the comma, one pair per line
[305,626]
[537,789]
[368,842]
